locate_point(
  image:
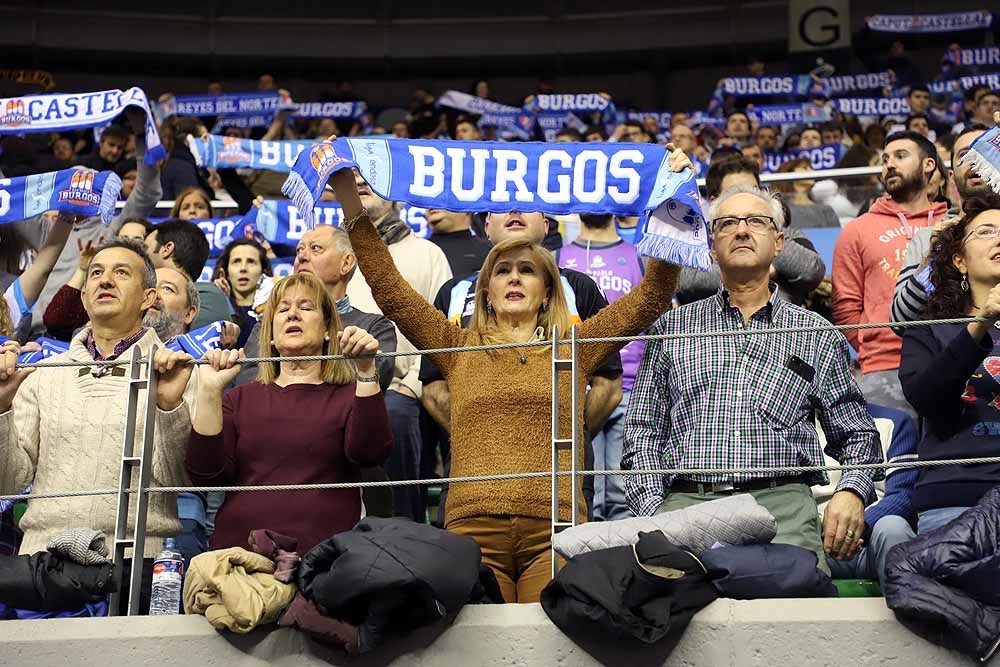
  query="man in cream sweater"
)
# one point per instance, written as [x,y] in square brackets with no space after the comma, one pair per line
[61,429]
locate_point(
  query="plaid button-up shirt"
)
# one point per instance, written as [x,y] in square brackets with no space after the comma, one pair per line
[744,401]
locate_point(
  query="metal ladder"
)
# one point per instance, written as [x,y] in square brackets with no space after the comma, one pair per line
[130,462]
[561,365]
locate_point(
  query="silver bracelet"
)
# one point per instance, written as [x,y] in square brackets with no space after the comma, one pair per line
[348,225]
[366,378]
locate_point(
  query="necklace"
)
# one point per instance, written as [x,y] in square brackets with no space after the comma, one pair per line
[538,335]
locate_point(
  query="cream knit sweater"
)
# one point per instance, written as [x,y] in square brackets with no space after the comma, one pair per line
[65,433]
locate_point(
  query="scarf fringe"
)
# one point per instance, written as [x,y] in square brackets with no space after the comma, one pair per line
[987,170]
[109,197]
[672,250]
[295,188]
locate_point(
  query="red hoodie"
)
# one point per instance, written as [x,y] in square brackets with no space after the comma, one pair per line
[866,261]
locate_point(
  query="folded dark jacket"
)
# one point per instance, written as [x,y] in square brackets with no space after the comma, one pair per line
[46,582]
[643,592]
[758,571]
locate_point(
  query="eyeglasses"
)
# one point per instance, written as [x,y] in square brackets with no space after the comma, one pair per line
[983,232]
[756,223]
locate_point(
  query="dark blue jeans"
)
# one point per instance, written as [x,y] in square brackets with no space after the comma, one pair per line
[404,461]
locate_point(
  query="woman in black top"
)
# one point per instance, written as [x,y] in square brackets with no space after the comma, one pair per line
[951,372]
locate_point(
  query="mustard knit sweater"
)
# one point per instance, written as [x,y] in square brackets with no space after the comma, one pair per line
[501,409]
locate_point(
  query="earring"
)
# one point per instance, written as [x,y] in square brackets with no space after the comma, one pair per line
[965,283]
[489,310]
[545,307]
[326,337]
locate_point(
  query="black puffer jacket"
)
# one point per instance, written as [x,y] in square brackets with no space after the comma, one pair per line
[389,576]
[945,584]
[46,582]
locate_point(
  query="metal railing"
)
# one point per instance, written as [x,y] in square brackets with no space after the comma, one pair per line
[143,377]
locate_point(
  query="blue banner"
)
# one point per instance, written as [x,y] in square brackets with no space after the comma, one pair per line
[822,157]
[789,114]
[873,106]
[232,152]
[76,191]
[57,113]
[330,109]
[981,56]
[800,85]
[226,104]
[622,179]
[854,83]
[925,23]
[964,83]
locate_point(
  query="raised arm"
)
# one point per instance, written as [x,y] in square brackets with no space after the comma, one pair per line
[424,325]
[148,190]
[34,278]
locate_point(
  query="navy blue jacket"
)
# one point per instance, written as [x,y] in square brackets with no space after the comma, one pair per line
[951,380]
[944,585]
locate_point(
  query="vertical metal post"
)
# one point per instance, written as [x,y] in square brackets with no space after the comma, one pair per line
[564,444]
[129,463]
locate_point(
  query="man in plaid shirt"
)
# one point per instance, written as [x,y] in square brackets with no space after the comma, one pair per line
[748,402]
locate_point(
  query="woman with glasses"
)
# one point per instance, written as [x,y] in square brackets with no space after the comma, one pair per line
[950,373]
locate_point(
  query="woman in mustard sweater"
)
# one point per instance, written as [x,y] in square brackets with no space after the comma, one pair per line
[501,400]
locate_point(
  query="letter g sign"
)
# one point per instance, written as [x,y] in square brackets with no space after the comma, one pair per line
[817,26]
[816,29]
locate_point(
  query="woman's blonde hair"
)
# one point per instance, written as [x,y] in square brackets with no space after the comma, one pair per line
[176,210]
[483,324]
[6,324]
[332,372]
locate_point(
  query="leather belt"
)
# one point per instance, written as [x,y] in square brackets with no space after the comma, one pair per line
[691,486]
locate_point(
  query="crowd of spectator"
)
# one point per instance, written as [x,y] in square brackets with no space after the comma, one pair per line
[919,240]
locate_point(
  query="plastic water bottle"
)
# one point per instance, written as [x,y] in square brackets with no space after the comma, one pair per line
[168,574]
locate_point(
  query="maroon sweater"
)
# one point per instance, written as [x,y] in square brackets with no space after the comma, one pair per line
[299,434]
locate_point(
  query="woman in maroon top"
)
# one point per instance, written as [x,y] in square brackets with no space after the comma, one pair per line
[300,423]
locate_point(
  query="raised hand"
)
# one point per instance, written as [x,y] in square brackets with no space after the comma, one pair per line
[175,371]
[221,369]
[360,346]
[11,377]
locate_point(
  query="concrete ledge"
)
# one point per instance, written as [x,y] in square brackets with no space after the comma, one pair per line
[837,632]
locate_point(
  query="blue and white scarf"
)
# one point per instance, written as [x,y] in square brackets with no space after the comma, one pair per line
[58,113]
[279,220]
[984,154]
[50,348]
[821,157]
[964,83]
[924,23]
[799,85]
[568,105]
[302,110]
[330,109]
[75,191]
[197,342]
[789,114]
[873,106]
[855,83]
[621,179]
[980,56]
[510,122]
[663,118]
[226,104]
[232,152]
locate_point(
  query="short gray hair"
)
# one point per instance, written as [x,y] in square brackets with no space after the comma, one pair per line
[769,198]
[194,299]
[342,244]
[148,270]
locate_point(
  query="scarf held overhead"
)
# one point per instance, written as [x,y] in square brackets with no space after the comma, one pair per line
[215,151]
[58,113]
[75,191]
[475,176]
[923,23]
[984,154]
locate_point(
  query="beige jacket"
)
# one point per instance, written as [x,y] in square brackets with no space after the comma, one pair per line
[65,433]
[235,589]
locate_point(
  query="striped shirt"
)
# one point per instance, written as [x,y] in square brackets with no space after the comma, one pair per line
[744,401]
